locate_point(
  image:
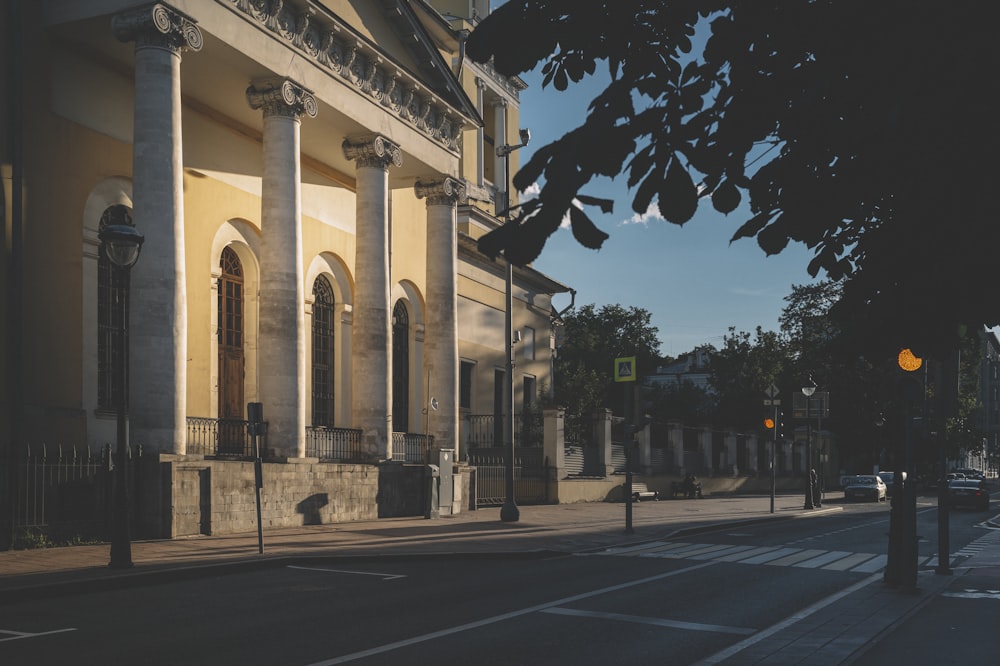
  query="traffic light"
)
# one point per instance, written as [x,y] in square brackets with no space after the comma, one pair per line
[768,423]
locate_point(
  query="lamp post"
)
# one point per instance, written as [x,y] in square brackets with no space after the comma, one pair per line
[808,391]
[121,244]
[509,513]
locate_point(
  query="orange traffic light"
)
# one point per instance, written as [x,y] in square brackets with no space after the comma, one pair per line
[769,424]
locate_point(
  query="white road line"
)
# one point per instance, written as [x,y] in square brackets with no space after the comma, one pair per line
[655,621]
[18,635]
[736,648]
[503,617]
[383,576]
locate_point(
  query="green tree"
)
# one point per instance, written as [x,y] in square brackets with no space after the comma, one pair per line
[741,371]
[593,339]
[840,143]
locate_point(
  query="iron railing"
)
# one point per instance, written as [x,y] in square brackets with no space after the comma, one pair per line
[484,430]
[64,492]
[228,437]
[530,479]
[411,447]
[334,444]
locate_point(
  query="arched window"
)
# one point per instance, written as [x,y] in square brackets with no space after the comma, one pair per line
[108,314]
[322,353]
[230,332]
[400,368]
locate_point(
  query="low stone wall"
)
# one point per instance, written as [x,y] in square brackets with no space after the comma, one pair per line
[191,495]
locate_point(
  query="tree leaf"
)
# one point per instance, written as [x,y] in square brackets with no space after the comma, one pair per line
[678,194]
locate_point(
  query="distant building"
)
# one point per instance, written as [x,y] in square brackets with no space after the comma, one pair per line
[692,368]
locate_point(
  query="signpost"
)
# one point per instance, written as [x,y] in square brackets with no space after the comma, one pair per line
[772,401]
[624,371]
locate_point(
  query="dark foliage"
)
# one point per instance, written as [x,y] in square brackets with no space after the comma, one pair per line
[860,129]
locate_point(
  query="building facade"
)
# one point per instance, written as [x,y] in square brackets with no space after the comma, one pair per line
[310,178]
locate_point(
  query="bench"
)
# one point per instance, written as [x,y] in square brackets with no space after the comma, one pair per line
[641,490]
[677,489]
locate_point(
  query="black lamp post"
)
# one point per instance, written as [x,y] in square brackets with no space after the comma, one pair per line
[808,391]
[509,513]
[121,244]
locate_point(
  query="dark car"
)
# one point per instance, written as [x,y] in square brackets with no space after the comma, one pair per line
[969,492]
[865,487]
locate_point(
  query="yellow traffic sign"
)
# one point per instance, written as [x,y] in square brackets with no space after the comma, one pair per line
[625,369]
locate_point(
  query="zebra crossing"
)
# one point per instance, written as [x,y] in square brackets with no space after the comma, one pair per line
[779,556]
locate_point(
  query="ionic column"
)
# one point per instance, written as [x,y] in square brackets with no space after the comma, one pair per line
[282,348]
[441,338]
[371,365]
[158,317]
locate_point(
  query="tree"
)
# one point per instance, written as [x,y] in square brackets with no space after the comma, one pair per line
[593,339]
[858,129]
[740,373]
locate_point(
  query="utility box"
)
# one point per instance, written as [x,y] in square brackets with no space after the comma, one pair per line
[446,493]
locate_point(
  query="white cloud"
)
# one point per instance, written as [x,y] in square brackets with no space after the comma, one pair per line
[652,214]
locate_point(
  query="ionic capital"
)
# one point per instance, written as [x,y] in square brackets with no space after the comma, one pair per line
[444,192]
[281,97]
[157,25]
[373,151]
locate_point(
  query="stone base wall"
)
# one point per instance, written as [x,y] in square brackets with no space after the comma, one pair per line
[189,495]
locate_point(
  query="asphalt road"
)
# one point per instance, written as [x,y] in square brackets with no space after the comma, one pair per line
[678,602]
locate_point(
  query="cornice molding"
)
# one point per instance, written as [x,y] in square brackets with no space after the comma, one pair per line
[320,36]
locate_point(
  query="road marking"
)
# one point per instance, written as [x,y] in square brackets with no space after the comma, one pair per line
[719,657]
[973,594]
[384,576]
[504,617]
[655,621]
[18,635]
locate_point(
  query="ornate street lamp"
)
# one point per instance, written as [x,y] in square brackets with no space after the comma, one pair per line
[509,513]
[808,391]
[121,244]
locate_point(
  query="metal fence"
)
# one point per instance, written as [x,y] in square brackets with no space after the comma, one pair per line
[334,444]
[229,437]
[530,477]
[485,430]
[411,447]
[65,492]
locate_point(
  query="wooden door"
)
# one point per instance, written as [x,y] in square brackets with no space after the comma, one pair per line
[232,430]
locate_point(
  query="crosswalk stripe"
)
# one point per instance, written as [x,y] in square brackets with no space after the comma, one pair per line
[877,563]
[774,554]
[829,556]
[795,558]
[778,556]
[849,562]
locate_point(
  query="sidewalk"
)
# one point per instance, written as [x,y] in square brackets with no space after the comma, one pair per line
[565,528]
[837,630]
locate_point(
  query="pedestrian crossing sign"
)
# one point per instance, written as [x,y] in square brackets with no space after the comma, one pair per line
[625,369]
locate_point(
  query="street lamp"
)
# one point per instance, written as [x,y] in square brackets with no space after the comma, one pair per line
[509,513]
[808,391]
[121,244]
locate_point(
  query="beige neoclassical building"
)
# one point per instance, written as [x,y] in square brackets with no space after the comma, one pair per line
[310,178]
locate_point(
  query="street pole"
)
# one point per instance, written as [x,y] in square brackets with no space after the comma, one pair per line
[121,545]
[509,513]
[808,391]
[121,244]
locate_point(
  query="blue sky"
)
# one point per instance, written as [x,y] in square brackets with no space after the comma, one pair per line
[690,278]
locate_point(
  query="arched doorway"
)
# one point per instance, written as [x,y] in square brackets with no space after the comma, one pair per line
[231,356]
[400,368]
